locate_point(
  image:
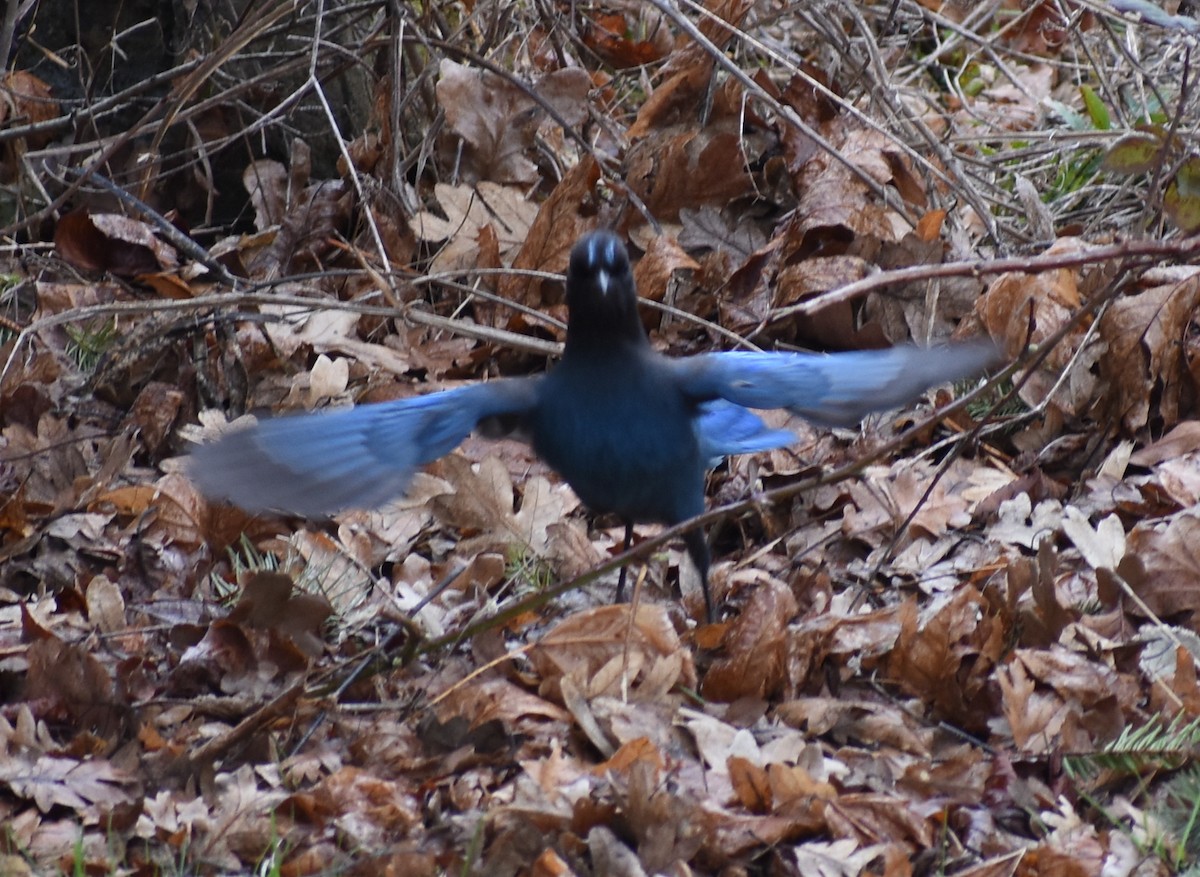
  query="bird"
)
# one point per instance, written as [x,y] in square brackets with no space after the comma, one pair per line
[631,430]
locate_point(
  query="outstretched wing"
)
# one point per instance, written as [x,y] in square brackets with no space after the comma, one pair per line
[315,464]
[836,389]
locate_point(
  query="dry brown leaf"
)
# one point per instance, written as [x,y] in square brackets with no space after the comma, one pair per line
[1183,439]
[570,549]
[654,272]
[88,788]
[224,659]
[496,699]
[795,791]
[867,722]
[68,678]
[1056,700]
[106,604]
[561,221]
[689,169]
[675,97]
[815,275]
[1021,308]
[180,513]
[945,655]
[27,99]
[168,285]
[833,198]
[755,658]
[267,601]
[875,818]
[370,809]
[471,211]
[924,310]
[498,119]
[883,501]
[343,579]
[1144,356]
[111,242]
[483,501]
[733,834]
[710,228]
[587,641]
[330,331]
[266,183]
[1170,559]
[551,864]
[1180,479]
[751,785]
[155,411]
[300,217]
[613,33]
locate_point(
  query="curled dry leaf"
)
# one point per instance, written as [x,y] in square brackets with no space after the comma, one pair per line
[111,242]
[69,680]
[106,604]
[27,100]
[269,601]
[496,699]
[655,270]
[266,183]
[755,661]
[833,197]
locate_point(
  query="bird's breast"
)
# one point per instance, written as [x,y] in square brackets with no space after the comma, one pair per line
[623,440]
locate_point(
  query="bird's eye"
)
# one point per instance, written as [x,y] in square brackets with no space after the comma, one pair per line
[610,251]
[600,251]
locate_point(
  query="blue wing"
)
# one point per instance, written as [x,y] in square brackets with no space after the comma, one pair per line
[724,429]
[836,389]
[315,464]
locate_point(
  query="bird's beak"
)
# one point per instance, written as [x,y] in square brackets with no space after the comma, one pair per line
[602,280]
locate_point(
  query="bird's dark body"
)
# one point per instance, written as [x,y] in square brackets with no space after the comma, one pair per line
[622,435]
[631,430]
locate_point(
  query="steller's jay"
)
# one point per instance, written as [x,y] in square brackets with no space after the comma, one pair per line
[630,430]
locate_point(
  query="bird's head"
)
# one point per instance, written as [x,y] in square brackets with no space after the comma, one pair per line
[601,295]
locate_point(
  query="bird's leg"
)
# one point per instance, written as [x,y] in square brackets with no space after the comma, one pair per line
[625,547]
[697,547]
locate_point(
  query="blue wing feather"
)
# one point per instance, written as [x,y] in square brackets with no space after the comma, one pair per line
[319,463]
[836,389]
[724,429]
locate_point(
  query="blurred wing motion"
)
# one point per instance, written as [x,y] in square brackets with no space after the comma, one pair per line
[725,429]
[315,464]
[837,389]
